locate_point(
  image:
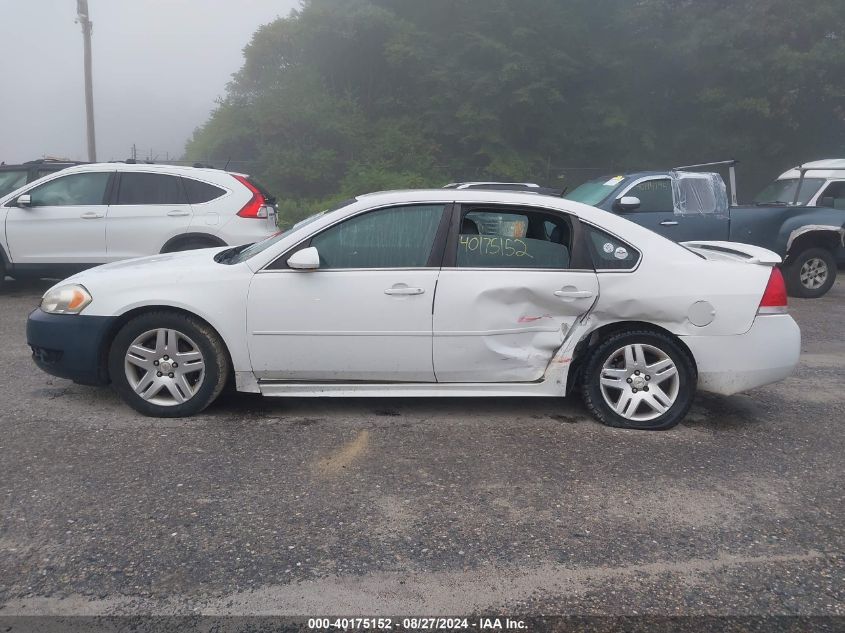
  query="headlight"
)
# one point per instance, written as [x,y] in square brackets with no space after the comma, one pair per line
[70,299]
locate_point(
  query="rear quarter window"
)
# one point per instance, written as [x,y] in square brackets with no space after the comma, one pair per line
[608,252]
[199,192]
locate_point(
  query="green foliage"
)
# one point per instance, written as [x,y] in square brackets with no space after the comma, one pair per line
[348,96]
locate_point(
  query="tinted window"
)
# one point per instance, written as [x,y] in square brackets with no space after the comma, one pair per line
[492,239]
[199,192]
[72,190]
[136,188]
[654,195]
[609,253]
[833,196]
[400,237]
[11,180]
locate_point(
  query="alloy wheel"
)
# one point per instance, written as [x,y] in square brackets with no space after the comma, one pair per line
[639,382]
[813,273]
[164,367]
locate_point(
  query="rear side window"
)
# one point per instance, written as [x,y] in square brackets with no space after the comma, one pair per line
[139,188]
[199,192]
[608,252]
[509,239]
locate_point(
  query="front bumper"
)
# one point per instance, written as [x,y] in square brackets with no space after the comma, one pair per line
[69,346]
[767,353]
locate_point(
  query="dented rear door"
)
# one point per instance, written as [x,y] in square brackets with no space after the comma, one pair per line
[507,299]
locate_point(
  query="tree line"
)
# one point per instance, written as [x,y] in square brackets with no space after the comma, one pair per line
[348,96]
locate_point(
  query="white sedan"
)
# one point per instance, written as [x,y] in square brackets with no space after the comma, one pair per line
[431,293]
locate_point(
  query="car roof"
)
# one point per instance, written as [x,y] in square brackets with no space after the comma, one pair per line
[181,170]
[827,168]
[489,196]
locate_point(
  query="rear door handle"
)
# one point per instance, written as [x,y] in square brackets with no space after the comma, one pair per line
[573,294]
[91,215]
[404,291]
[668,223]
[178,214]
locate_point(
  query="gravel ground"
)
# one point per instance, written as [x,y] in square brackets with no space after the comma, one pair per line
[452,506]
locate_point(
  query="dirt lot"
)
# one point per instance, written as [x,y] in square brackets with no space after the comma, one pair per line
[422,506]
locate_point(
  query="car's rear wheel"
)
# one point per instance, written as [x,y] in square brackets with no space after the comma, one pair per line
[166,364]
[639,380]
[811,273]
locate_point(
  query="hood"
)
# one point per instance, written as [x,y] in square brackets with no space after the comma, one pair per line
[142,271]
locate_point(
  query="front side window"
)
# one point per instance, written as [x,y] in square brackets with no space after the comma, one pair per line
[11,180]
[73,190]
[399,237]
[654,195]
[833,196]
[608,252]
[140,188]
[511,239]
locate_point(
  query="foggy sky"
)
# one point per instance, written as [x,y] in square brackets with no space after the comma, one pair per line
[159,65]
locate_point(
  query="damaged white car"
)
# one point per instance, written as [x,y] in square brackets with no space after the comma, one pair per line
[431,293]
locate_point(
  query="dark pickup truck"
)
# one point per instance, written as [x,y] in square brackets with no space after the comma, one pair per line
[690,206]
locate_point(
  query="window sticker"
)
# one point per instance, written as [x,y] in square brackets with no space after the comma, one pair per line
[614,181]
[621,253]
[608,247]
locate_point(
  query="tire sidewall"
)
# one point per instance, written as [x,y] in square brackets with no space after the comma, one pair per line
[793,274]
[591,388]
[144,323]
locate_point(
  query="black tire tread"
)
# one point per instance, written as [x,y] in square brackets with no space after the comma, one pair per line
[792,272]
[598,408]
[193,406]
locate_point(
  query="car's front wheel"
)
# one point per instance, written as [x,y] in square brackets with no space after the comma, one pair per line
[639,380]
[166,364]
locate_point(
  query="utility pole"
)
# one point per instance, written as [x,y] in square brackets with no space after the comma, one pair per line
[85,21]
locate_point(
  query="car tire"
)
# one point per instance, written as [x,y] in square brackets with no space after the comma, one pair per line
[810,274]
[620,390]
[192,358]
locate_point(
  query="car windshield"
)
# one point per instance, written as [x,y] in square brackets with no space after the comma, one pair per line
[783,191]
[594,191]
[241,254]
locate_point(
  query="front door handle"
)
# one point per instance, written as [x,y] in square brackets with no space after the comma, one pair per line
[178,214]
[91,215]
[668,223]
[404,290]
[573,294]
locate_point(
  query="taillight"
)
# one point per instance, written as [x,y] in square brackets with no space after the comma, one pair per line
[257,205]
[774,299]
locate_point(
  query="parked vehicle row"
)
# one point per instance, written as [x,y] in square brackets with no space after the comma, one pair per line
[809,239]
[91,214]
[450,292]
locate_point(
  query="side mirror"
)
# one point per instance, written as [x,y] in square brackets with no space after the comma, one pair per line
[23,201]
[627,203]
[306,259]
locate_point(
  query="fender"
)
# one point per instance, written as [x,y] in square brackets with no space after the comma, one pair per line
[213,240]
[810,228]
[827,222]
